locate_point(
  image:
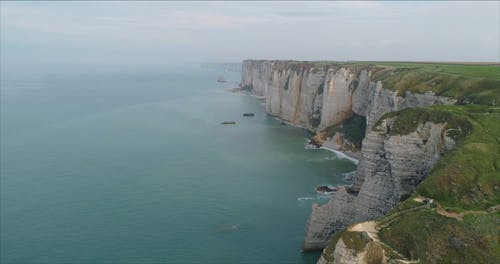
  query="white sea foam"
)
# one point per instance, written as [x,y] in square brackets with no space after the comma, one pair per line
[341,155]
[309,146]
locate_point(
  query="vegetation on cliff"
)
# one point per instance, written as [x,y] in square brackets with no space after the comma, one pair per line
[353,129]
[466,185]
[407,121]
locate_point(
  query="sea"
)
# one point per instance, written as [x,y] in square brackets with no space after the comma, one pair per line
[135,167]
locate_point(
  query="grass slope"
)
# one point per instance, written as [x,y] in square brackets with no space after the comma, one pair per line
[465,180]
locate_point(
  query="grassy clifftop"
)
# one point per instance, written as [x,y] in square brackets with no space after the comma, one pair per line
[468,83]
[407,121]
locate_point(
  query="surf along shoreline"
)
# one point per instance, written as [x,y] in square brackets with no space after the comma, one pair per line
[340,154]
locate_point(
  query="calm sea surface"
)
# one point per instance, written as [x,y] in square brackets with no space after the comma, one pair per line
[136,168]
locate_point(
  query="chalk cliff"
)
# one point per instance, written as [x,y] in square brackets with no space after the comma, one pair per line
[390,168]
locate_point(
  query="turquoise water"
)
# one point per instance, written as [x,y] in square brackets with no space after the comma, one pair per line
[136,168]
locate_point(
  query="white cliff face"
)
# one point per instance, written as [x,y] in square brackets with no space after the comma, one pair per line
[337,101]
[360,95]
[294,96]
[291,93]
[391,167]
[255,75]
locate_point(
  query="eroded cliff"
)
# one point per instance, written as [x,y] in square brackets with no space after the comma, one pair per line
[390,168]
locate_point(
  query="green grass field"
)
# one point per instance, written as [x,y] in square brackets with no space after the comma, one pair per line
[433,238]
[477,84]
[469,70]
[469,176]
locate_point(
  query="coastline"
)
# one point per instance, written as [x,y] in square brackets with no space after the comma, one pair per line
[340,154]
[245,92]
[353,156]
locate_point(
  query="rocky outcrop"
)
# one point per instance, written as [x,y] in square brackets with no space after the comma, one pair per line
[381,101]
[359,244]
[390,168]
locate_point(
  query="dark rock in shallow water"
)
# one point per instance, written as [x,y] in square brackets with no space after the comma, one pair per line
[326,189]
[314,142]
[228,123]
[248,114]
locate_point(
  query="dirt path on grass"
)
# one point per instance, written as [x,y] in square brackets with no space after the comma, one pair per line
[459,216]
[369,227]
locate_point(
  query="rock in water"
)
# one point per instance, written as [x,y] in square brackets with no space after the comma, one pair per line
[324,189]
[228,123]
[227,229]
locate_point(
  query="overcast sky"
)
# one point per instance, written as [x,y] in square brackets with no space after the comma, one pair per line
[77,34]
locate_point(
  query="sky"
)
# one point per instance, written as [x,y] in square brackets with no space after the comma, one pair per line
[77,35]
